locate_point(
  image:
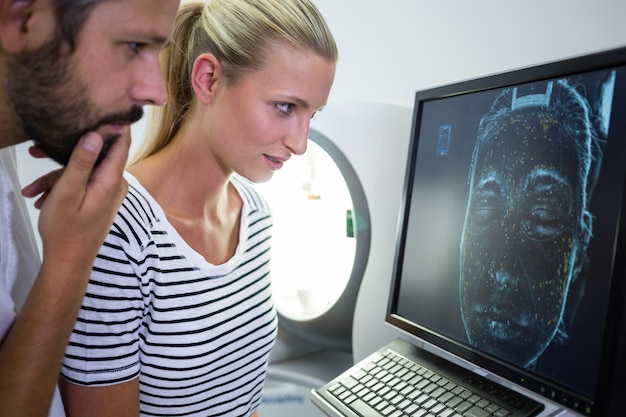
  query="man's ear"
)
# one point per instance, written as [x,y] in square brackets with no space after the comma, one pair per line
[25,24]
[13,24]
[205,76]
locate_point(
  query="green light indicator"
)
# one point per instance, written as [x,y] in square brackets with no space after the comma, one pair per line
[349,224]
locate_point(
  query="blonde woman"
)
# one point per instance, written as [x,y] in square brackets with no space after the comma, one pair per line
[178,318]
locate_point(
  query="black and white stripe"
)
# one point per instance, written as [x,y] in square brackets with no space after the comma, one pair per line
[197,335]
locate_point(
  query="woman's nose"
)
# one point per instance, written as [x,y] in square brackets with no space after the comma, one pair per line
[298,139]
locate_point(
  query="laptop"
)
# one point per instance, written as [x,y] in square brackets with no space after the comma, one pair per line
[508,280]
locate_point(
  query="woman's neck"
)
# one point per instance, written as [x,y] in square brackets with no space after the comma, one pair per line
[184,181]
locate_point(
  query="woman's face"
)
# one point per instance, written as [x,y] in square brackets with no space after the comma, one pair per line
[263,119]
[520,240]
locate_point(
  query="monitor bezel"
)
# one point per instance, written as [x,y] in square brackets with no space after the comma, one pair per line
[609,395]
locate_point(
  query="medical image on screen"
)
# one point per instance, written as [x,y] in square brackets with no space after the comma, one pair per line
[527,224]
[512,220]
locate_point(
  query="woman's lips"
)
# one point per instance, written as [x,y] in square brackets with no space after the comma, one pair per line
[274,163]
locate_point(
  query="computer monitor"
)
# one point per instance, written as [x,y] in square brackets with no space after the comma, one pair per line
[510,251]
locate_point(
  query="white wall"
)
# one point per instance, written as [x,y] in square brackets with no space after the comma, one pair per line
[390,49]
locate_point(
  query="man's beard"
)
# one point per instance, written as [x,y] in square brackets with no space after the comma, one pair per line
[54,109]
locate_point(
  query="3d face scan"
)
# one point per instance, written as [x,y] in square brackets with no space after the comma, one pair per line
[526,226]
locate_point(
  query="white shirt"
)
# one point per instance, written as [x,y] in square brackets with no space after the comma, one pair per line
[19,256]
[196,335]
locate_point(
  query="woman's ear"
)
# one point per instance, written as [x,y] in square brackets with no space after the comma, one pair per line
[205,77]
[25,24]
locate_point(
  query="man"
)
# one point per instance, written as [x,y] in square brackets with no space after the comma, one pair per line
[75,75]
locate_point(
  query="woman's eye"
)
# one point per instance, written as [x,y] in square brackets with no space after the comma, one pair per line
[284,107]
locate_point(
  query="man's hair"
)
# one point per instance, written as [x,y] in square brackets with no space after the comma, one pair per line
[71,16]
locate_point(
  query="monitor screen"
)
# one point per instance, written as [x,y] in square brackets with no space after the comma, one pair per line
[508,251]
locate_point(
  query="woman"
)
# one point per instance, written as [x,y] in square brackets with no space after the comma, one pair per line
[178,317]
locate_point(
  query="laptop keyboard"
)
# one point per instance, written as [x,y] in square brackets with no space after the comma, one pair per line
[390,385]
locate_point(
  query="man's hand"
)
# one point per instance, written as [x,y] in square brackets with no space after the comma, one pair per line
[78,203]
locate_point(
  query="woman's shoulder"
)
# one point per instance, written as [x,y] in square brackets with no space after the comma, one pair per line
[138,215]
[249,194]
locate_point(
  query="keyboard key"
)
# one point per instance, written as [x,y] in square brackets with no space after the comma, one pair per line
[502,412]
[349,382]
[437,409]
[476,412]
[363,409]
[463,407]
[454,401]
[483,403]
[448,412]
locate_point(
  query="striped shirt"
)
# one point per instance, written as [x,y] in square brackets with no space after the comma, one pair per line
[198,336]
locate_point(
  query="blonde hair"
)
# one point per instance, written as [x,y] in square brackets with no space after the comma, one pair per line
[240,33]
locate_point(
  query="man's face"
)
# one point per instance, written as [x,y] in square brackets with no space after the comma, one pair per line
[102,85]
[520,239]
